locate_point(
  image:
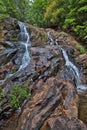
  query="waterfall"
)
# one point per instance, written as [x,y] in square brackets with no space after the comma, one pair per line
[50,38]
[72,66]
[25,40]
[79,84]
[69,64]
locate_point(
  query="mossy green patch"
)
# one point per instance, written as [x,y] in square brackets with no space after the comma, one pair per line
[81,49]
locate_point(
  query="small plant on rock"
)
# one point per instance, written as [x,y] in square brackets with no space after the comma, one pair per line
[17,95]
[81,49]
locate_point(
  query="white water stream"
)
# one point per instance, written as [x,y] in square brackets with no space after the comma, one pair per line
[79,84]
[69,64]
[25,40]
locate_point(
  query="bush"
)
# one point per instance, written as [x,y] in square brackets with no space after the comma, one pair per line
[17,95]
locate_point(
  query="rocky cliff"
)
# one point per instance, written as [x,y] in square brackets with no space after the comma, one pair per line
[55,102]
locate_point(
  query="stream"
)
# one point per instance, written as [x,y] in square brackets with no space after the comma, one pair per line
[25,40]
[69,64]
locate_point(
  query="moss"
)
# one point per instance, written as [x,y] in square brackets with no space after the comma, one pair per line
[62,33]
[26,83]
[13,71]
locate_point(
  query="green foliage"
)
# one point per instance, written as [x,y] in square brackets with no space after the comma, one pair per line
[54,12]
[15,8]
[62,33]
[17,96]
[81,31]
[81,49]
[83,9]
[37,10]
[70,15]
[69,22]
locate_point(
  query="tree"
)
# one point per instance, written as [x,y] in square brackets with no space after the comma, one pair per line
[70,15]
[16,8]
[37,11]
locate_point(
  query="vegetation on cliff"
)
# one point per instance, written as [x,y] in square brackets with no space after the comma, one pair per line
[69,16]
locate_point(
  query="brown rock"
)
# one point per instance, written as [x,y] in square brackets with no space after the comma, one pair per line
[83,106]
[6,67]
[63,123]
[49,101]
[54,102]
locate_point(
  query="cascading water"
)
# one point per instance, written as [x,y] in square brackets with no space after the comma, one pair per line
[75,71]
[25,40]
[69,64]
[50,38]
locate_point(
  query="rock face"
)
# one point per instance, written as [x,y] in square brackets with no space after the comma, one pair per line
[83,106]
[48,101]
[63,123]
[55,100]
[82,61]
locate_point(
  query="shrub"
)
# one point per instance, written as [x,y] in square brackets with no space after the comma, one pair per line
[17,95]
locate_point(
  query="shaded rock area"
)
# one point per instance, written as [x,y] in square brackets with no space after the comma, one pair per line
[55,102]
[63,123]
[83,106]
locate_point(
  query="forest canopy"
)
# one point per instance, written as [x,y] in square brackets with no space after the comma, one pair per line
[70,15]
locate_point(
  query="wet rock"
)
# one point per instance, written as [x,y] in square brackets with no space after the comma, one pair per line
[18,57]
[5,68]
[44,62]
[7,56]
[72,52]
[9,44]
[63,123]
[6,113]
[67,74]
[22,37]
